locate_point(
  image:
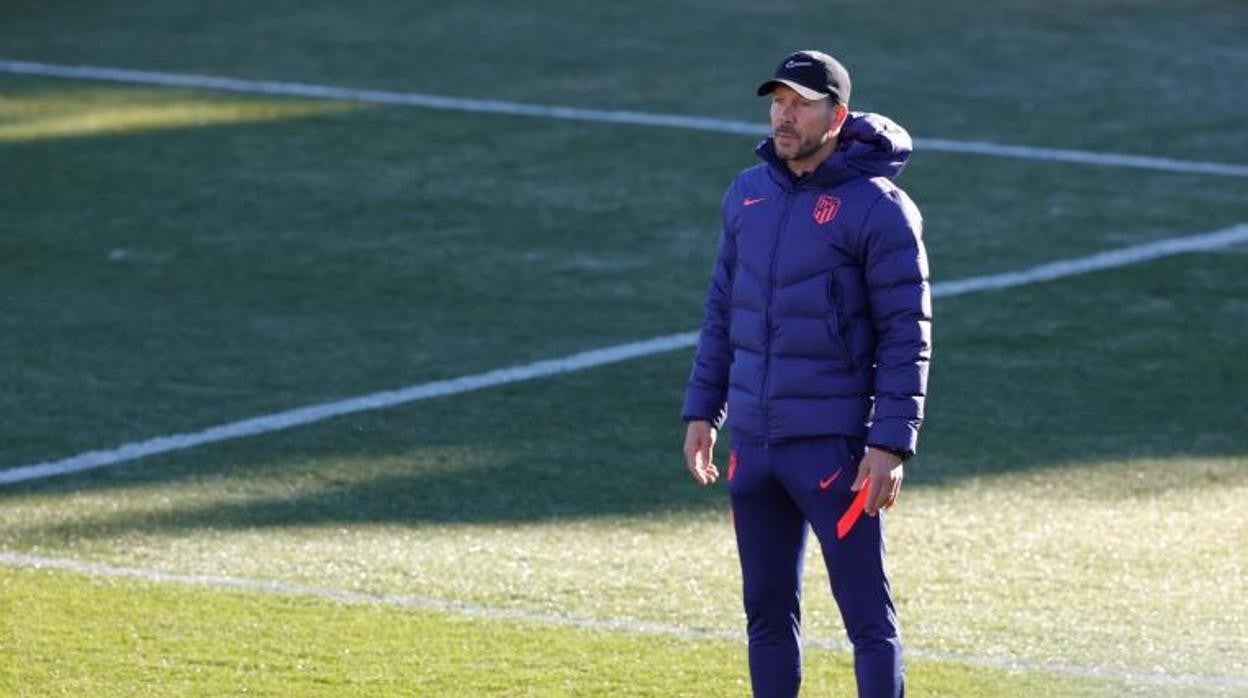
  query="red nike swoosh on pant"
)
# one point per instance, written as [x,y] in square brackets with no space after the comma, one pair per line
[827,481]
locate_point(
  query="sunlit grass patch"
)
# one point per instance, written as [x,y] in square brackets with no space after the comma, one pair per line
[88,111]
[71,634]
[1124,563]
[1094,565]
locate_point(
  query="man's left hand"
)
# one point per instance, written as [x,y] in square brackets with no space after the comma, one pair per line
[880,472]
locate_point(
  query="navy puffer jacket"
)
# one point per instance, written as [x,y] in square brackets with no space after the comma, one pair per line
[818,317]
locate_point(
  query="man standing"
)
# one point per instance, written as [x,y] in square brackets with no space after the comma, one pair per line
[814,349]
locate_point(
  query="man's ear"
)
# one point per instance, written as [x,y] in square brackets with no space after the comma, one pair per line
[840,113]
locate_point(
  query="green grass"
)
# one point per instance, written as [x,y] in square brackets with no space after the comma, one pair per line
[83,113]
[308,259]
[1133,75]
[133,638]
[1004,543]
[175,258]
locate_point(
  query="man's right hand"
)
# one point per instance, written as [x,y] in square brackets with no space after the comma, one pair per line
[699,446]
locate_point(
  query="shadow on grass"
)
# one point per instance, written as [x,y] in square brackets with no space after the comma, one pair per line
[524,488]
[1071,385]
[554,462]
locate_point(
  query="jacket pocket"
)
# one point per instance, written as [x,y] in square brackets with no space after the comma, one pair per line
[838,328]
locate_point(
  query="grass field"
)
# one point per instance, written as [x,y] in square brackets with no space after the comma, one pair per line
[174,258]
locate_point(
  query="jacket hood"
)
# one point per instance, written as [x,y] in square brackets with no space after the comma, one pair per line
[870,145]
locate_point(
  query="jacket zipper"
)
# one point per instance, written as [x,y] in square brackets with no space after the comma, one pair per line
[771,294]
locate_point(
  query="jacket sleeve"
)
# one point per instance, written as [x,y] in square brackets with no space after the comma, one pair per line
[706,394]
[901,312]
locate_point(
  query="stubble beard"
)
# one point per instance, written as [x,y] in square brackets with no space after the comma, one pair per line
[805,148]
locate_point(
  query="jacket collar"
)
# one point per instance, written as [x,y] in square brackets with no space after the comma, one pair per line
[870,146]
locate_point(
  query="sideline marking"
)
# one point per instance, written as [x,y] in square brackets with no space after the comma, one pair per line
[490,106]
[278,421]
[425,603]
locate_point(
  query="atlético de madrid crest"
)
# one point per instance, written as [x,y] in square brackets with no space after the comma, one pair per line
[826,208]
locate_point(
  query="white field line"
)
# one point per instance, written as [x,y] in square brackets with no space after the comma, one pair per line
[279,421]
[628,625]
[489,106]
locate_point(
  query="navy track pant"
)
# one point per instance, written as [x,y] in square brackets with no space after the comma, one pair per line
[776,490]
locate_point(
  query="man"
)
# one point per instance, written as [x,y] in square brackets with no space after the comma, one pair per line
[814,349]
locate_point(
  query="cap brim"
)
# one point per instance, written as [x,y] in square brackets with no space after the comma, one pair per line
[805,92]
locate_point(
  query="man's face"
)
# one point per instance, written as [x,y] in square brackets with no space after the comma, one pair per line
[799,126]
